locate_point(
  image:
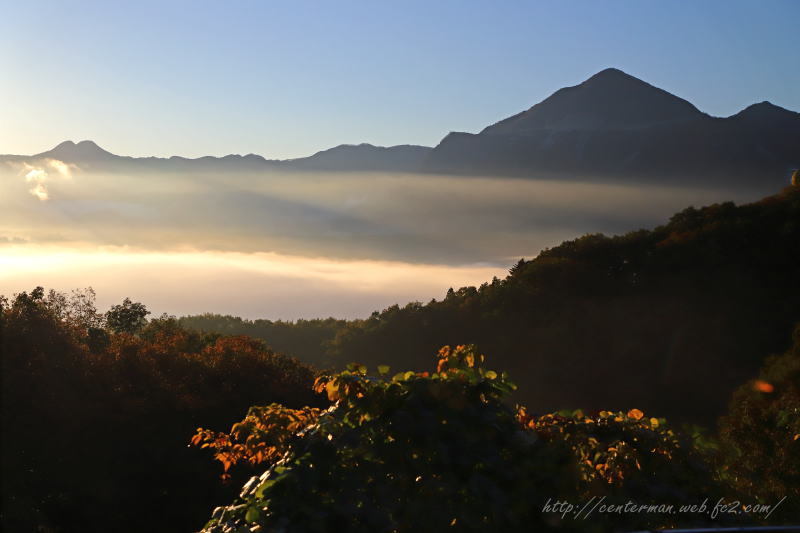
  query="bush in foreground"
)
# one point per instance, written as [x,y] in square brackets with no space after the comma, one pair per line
[760,437]
[430,452]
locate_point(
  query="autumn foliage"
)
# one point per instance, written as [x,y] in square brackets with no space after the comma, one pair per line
[261,437]
[441,450]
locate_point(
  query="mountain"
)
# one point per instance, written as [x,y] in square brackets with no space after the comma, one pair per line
[609,100]
[82,152]
[352,158]
[611,127]
[364,157]
[615,126]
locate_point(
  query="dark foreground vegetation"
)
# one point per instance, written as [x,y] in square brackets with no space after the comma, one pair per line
[98,409]
[671,320]
[444,450]
[97,412]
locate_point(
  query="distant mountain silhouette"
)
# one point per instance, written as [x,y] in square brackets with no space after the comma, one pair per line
[612,126]
[351,158]
[364,157]
[80,152]
[615,126]
[608,100]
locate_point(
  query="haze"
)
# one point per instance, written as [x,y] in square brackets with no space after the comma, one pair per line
[274,245]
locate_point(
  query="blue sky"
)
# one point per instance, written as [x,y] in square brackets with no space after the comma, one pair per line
[285,79]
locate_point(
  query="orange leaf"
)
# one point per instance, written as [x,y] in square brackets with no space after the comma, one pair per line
[635,414]
[763,386]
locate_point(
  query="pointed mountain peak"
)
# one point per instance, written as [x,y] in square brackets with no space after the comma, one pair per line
[609,100]
[610,74]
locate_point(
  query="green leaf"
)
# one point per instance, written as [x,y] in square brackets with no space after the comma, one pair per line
[357,368]
[253,514]
[383,369]
[263,487]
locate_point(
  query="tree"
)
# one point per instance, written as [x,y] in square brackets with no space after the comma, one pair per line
[128,317]
[78,309]
[95,423]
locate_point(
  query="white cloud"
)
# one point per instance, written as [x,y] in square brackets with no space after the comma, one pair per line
[38,175]
[62,168]
[40,191]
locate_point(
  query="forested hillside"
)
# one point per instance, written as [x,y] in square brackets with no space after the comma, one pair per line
[98,409]
[670,319]
[304,339]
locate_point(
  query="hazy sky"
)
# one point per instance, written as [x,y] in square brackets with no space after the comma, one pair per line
[285,79]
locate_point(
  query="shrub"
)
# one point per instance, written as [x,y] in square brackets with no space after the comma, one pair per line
[428,452]
[760,436]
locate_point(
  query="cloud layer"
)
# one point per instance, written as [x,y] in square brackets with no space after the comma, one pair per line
[266,244]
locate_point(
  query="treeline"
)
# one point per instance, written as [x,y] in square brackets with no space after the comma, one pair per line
[304,339]
[670,319]
[98,410]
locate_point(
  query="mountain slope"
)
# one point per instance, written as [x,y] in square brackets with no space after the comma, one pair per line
[608,100]
[614,126]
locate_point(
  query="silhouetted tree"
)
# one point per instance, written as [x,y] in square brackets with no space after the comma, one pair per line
[127,317]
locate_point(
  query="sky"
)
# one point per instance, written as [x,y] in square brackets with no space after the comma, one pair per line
[286,79]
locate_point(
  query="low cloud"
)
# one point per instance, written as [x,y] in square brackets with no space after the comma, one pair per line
[40,191]
[13,240]
[299,245]
[254,285]
[60,167]
[39,174]
[35,174]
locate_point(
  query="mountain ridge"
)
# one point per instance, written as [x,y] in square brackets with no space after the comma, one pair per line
[616,127]
[611,126]
[367,157]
